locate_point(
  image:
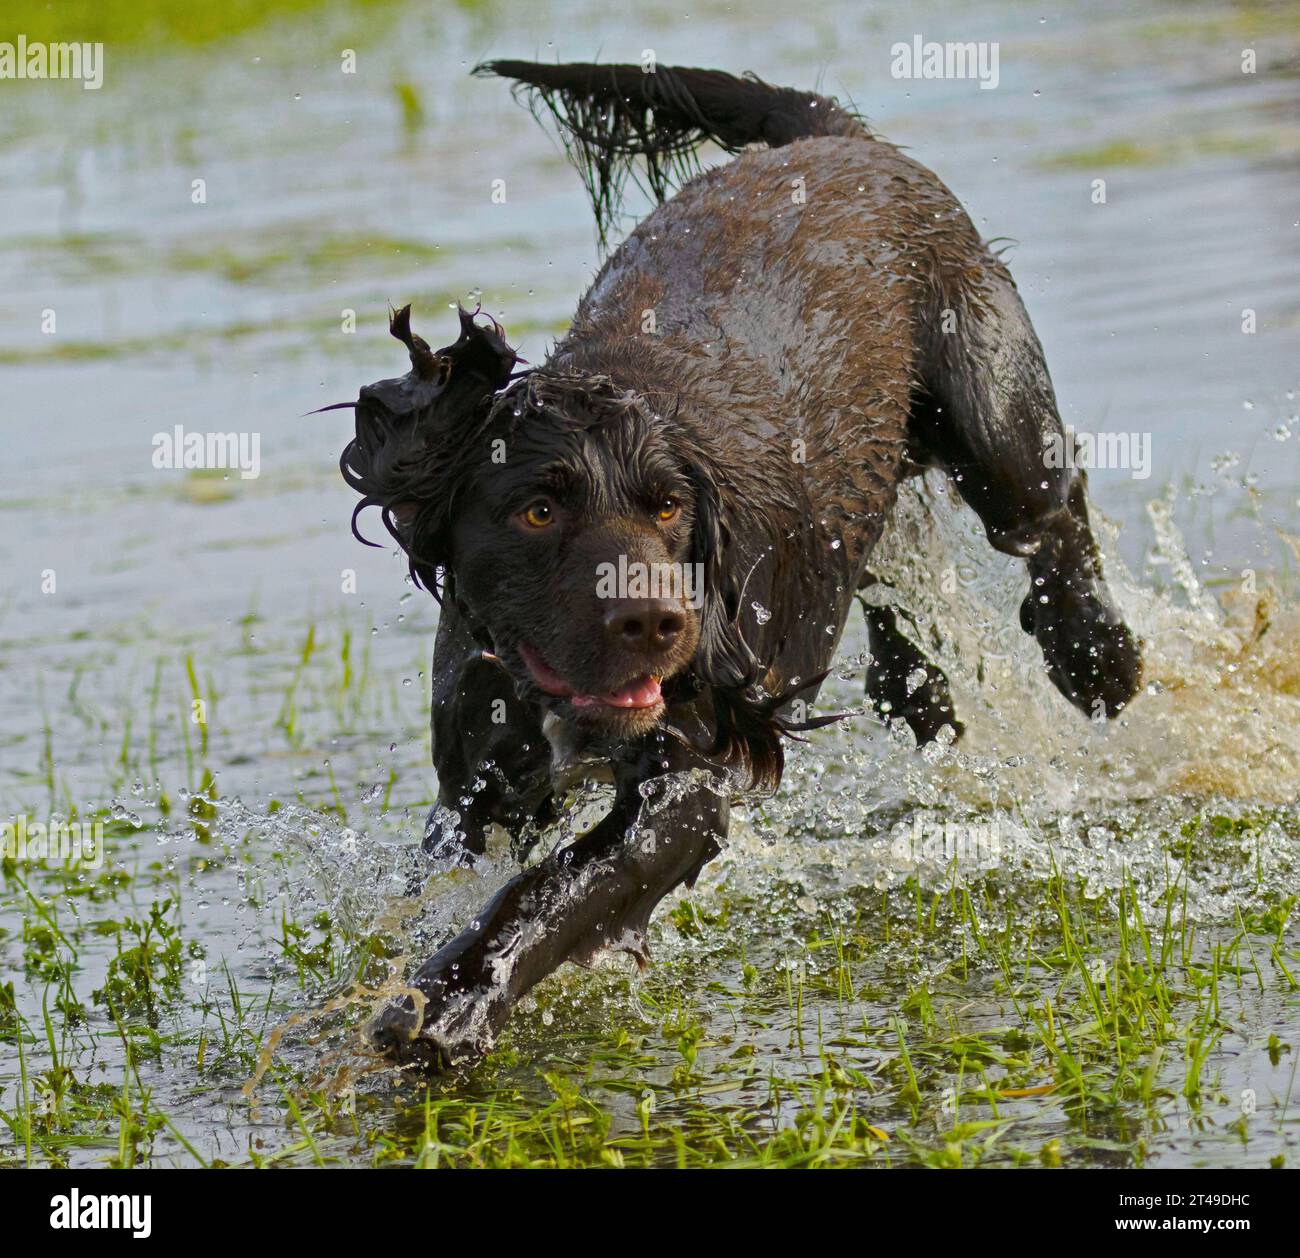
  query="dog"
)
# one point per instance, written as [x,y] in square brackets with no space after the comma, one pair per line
[751,375]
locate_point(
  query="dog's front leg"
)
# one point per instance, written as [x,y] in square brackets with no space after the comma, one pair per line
[598,892]
[490,754]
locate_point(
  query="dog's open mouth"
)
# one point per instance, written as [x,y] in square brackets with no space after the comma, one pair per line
[639,694]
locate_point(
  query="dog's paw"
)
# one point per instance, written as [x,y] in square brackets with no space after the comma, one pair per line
[1092,656]
[927,707]
[395,1032]
[455,1006]
[453,1027]
[925,712]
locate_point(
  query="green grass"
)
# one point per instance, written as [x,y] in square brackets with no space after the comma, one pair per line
[1139,154]
[998,1018]
[156,22]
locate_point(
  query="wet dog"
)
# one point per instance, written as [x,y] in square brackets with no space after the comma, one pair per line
[749,378]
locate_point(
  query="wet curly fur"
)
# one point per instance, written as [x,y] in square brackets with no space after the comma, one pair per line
[417,452]
[825,321]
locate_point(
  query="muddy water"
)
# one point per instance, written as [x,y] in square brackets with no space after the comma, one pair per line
[325,193]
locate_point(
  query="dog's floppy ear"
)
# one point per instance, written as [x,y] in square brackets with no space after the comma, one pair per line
[457,377]
[747,730]
[409,453]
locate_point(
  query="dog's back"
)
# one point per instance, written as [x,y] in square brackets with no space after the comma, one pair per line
[781,299]
[786,299]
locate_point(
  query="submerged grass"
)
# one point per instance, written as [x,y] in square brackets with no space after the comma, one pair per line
[967,1023]
[956,1019]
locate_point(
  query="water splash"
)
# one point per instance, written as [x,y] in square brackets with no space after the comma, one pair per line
[1034,789]
[1195,785]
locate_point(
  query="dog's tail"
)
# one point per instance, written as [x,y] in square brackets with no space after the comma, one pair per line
[611,115]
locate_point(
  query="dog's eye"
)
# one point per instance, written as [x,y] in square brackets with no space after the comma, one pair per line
[539,516]
[669,510]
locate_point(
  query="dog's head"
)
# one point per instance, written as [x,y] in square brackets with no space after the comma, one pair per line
[581,535]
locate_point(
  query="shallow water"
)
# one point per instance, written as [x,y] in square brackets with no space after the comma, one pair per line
[847,950]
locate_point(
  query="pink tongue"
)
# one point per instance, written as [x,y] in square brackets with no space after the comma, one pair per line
[644,692]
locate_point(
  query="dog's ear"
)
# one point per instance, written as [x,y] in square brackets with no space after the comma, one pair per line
[746,729]
[457,377]
[408,455]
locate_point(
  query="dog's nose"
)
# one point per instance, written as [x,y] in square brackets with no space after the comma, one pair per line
[644,624]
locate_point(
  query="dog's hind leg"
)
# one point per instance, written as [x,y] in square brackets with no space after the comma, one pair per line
[985,410]
[901,681]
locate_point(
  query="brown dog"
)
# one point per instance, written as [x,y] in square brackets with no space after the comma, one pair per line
[745,384]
